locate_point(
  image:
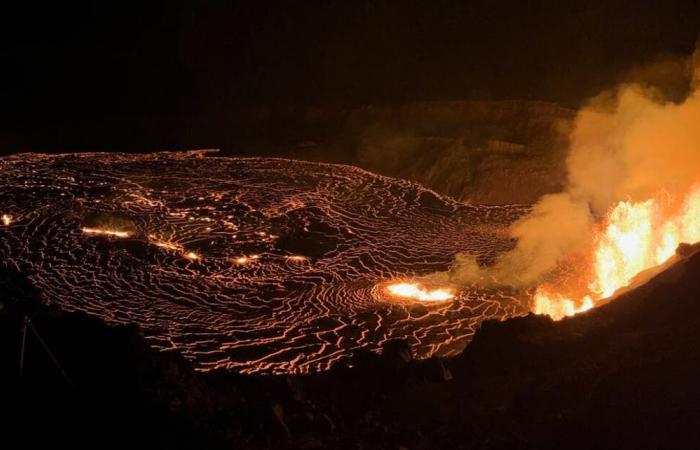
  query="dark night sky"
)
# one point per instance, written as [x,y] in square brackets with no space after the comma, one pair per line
[110,75]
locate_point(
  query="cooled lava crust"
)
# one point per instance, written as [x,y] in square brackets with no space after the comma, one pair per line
[254,265]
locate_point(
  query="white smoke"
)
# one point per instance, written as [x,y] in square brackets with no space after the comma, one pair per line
[628,144]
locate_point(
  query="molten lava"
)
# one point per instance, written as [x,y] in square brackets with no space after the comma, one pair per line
[241,260]
[416,292]
[106,232]
[163,244]
[192,256]
[251,265]
[634,237]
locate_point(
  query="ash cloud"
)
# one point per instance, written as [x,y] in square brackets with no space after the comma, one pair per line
[627,144]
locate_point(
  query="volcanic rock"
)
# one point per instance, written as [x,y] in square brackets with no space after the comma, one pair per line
[623,375]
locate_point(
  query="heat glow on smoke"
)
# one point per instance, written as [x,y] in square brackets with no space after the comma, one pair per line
[635,160]
[634,237]
[632,196]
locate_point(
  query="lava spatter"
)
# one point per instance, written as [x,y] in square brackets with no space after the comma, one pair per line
[247,264]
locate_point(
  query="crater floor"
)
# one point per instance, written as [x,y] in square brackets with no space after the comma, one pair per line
[248,264]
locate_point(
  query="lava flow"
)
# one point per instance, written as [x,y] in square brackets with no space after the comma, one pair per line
[106,232]
[634,237]
[250,264]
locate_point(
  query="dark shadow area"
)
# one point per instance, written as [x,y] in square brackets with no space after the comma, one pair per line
[241,76]
[623,375]
[95,393]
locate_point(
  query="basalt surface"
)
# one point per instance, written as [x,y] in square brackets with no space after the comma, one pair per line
[247,264]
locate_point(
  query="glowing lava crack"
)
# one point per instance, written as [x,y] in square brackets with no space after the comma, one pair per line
[251,265]
[414,291]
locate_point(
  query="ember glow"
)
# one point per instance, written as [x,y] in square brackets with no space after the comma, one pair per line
[193,256]
[415,291]
[164,244]
[106,232]
[634,237]
[246,259]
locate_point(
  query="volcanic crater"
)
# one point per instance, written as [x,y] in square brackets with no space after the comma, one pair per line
[254,265]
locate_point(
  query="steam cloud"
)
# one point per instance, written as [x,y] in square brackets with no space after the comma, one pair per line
[628,144]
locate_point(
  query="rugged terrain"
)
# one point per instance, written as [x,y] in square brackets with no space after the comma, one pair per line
[261,265]
[623,375]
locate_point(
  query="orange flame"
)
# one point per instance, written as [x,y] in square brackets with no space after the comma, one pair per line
[559,306]
[635,236]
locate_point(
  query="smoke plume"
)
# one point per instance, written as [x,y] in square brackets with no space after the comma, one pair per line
[628,144]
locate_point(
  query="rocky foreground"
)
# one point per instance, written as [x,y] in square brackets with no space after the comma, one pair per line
[623,375]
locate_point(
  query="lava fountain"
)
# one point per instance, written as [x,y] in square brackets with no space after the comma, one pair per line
[632,196]
[633,237]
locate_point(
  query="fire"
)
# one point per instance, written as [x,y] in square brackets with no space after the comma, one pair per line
[634,237]
[106,232]
[415,292]
[557,305]
[625,246]
[6,219]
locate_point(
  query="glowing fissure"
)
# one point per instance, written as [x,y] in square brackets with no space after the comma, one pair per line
[416,292]
[192,256]
[106,232]
[634,237]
